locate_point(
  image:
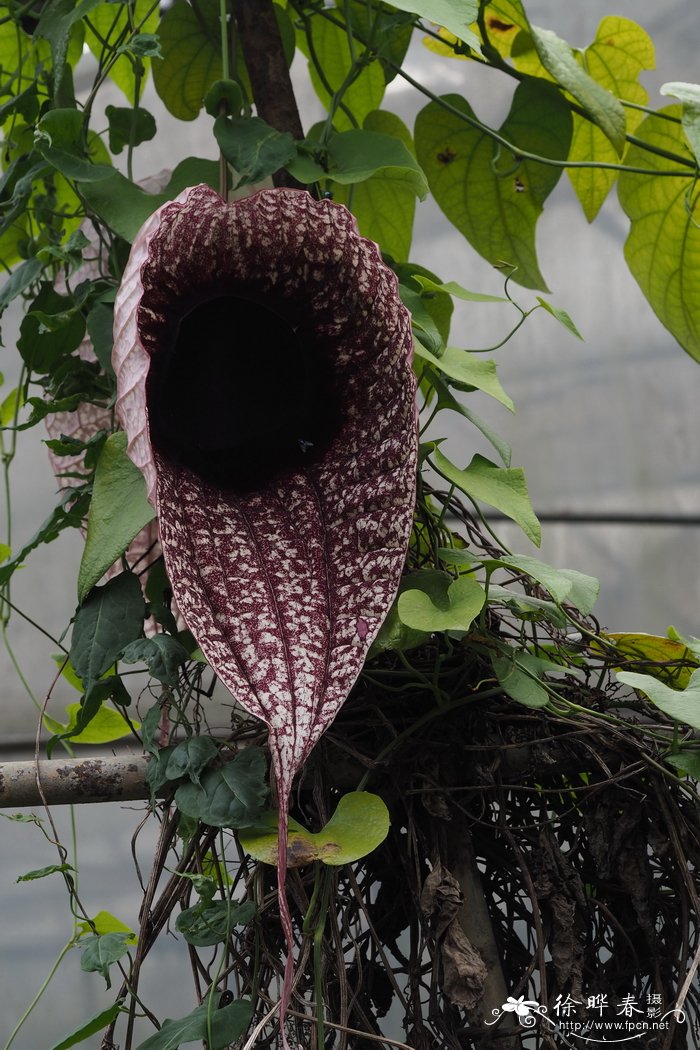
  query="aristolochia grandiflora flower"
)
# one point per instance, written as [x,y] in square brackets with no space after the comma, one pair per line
[263,362]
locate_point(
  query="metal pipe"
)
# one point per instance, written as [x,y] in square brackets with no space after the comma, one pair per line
[74,780]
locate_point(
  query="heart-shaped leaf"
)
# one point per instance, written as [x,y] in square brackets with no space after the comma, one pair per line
[360,824]
[442,603]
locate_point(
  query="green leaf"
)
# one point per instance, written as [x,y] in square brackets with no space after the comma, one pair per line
[683,706]
[162,655]
[663,246]
[129,126]
[525,606]
[561,316]
[55,25]
[42,343]
[227,93]
[5,552]
[442,603]
[468,369]
[112,21]
[492,197]
[252,147]
[620,52]
[68,513]
[101,952]
[96,1024]
[105,726]
[448,401]
[19,279]
[332,50]
[118,511]
[438,305]
[558,59]
[59,140]
[384,205]
[686,762]
[190,757]
[357,155]
[211,925]
[562,584]
[41,873]
[452,288]
[230,797]
[191,62]
[394,634]
[227,1025]
[100,322]
[455,15]
[422,321]
[109,618]
[125,207]
[360,824]
[500,487]
[518,677]
[689,95]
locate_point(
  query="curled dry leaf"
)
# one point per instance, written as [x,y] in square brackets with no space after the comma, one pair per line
[264,381]
[463,969]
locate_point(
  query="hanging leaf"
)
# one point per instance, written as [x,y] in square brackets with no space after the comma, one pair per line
[252,147]
[332,51]
[204,926]
[96,1024]
[229,797]
[384,204]
[492,197]
[101,952]
[162,655]
[458,16]
[689,95]
[502,488]
[191,59]
[681,705]
[665,658]
[558,59]
[226,1025]
[360,824]
[518,675]
[664,239]
[106,725]
[620,52]
[129,127]
[118,511]
[110,618]
[468,370]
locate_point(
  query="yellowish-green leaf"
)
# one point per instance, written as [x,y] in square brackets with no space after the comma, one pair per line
[668,660]
[332,50]
[663,246]
[500,487]
[457,16]
[620,52]
[104,922]
[359,824]
[384,205]
[5,552]
[11,406]
[111,22]
[558,59]
[683,706]
[442,603]
[469,369]
[191,59]
[107,725]
[492,198]
[689,95]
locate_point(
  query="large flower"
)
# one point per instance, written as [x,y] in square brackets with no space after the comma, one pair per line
[264,381]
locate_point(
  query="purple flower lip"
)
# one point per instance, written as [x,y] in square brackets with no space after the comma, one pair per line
[264,380]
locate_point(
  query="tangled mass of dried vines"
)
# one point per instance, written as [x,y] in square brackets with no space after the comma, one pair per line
[532,853]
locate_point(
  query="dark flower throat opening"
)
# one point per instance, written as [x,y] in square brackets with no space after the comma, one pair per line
[241,396]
